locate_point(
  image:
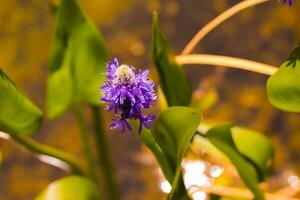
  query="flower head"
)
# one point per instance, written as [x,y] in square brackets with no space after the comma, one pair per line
[127,93]
[290,2]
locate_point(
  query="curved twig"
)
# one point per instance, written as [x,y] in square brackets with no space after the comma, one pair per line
[227,61]
[217,21]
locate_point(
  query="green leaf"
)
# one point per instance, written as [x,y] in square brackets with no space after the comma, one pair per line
[172,78]
[71,188]
[78,59]
[283,88]
[18,115]
[245,139]
[148,139]
[255,147]
[221,137]
[60,89]
[173,131]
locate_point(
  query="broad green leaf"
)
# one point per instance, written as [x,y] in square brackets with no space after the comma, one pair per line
[245,140]
[199,141]
[18,115]
[173,131]
[71,188]
[221,137]
[256,148]
[78,59]
[172,78]
[283,87]
[60,89]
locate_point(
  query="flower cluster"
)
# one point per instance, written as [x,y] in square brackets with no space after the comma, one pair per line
[290,2]
[128,93]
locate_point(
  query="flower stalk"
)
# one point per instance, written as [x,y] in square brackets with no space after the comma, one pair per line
[85,142]
[103,154]
[38,148]
[148,139]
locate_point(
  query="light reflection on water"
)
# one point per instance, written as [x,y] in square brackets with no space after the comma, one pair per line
[196,174]
[200,174]
[165,186]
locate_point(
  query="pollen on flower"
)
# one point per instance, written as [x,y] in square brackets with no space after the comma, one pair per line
[124,75]
[127,94]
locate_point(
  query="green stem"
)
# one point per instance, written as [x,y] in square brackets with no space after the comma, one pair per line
[148,139]
[36,147]
[178,188]
[85,141]
[103,153]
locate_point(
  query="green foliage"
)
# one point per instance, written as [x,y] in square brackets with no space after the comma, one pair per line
[283,87]
[256,148]
[245,140]
[70,188]
[173,131]
[18,115]
[172,78]
[147,138]
[242,145]
[223,138]
[78,59]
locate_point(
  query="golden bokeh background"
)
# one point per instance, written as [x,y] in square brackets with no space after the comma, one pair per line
[266,33]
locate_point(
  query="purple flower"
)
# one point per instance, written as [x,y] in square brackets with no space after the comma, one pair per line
[127,94]
[290,2]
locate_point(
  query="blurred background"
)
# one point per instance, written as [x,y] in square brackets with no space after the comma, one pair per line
[266,33]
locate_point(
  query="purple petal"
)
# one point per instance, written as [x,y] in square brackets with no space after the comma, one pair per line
[146,121]
[122,124]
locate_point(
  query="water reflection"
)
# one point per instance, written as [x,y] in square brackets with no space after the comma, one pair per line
[196,175]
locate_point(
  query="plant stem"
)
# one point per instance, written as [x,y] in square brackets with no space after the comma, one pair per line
[85,141]
[148,139]
[217,21]
[227,62]
[36,147]
[104,156]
